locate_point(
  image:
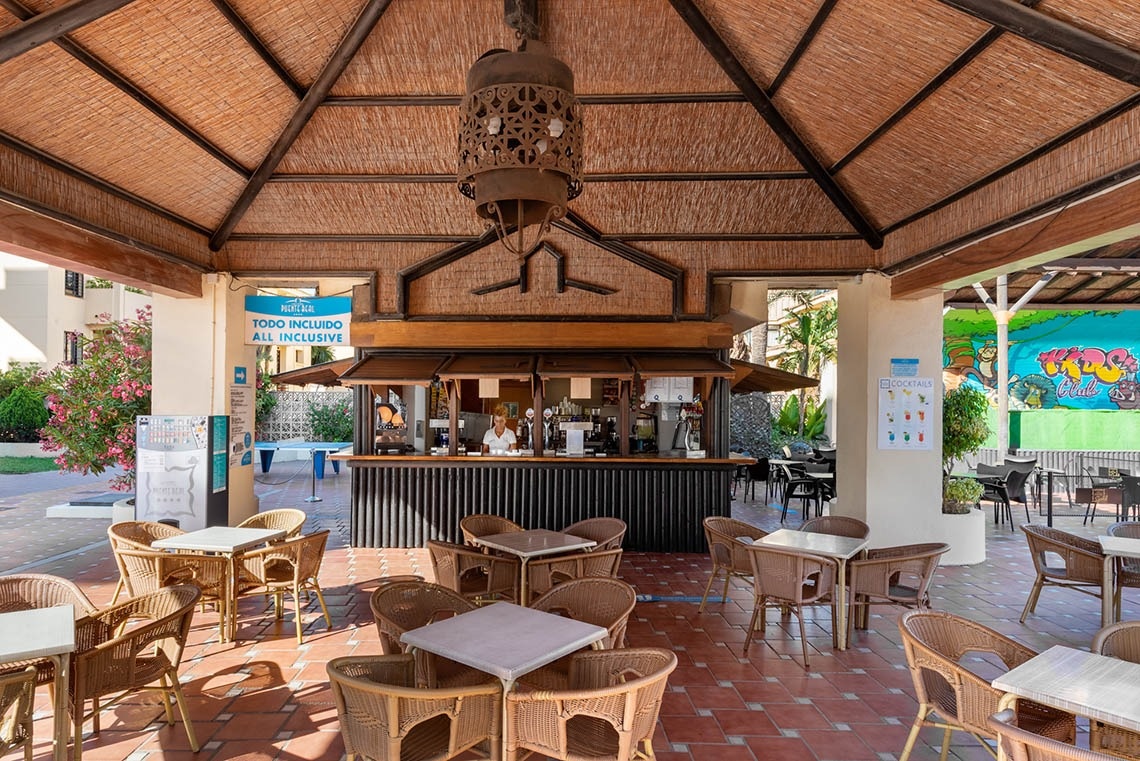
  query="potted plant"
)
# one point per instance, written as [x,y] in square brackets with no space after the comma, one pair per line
[964,430]
[960,495]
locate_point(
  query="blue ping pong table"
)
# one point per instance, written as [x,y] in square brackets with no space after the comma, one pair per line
[319,450]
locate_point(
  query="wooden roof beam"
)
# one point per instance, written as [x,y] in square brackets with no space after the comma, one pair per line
[355,36]
[1098,53]
[735,70]
[53,24]
[258,46]
[801,47]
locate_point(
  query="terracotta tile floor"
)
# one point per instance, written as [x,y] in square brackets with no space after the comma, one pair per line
[267,698]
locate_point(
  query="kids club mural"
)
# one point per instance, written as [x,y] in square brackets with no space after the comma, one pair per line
[1068,360]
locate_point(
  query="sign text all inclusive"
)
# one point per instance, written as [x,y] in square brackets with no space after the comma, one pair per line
[300,321]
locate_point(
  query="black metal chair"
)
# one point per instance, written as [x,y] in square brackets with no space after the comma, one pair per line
[760,471]
[1130,496]
[799,486]
[1003,486]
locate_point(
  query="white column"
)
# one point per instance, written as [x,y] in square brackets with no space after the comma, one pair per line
[898,493]
[198,343]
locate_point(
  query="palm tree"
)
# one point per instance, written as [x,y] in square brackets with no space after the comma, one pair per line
[810,336]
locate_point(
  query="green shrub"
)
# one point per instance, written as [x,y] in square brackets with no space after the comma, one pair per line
[331,422]
[960,494]
[19,374]
[22,415]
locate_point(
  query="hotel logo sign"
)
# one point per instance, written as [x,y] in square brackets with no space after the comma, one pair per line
[300,321]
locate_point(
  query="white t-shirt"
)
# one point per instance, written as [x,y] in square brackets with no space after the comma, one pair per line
[503,442]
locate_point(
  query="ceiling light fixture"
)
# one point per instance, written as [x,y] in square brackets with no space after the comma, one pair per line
[520,143]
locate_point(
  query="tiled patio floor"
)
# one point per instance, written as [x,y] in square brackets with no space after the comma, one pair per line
[267,698]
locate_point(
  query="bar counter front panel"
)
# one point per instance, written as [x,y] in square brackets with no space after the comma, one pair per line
[403,501]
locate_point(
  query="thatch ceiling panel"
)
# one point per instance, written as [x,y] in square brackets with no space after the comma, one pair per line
[762,256]
[762,32]
[363,209]
[302,35]
[7,21]
[1116,20]
[92,125]
[778,206]
[638,292]
[732,137]
[1010,99]
[396,140]
[863,66]
[187,57]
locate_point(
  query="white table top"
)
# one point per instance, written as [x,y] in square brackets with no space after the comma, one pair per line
[820,476]
[786,462]
[828,545]
[1120,546]
[226,539]
[1092,685]
[37,633]
[535,542]
[504,639]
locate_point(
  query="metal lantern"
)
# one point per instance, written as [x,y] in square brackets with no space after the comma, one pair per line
[520,142]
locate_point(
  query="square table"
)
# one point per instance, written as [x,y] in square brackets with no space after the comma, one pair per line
[505,640]
[1095,686]
[841,548]
[1113,547]
[228,541]
[44,633]
[533,543]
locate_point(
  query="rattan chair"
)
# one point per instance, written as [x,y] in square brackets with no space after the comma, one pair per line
[401,606]
[604,602]
[1082,563]
[1119,640]
[146,571]
[17,699]
[29,591]
[291,566]
[897,575]
[790,579]
[543,573]
[729,551]
[137,535]
[837,525]
[606,707]
[1021,745]
[477,576]
[1127,569]
[117,666]
[607,532]
[287,519]
[385,715]
[952,697]
[485,524]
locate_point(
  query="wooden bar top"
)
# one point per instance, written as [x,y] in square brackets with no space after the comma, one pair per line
[642,459]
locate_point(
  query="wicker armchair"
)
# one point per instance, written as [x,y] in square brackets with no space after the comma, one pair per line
[728,551]
[28,591]
[17,699]
[108,665]
[950,696]
[1127,569]
[147,571]
[543,573]
[607,532]
[291,566]
[605,602]
[606,707]
[401,606]
[1120,640]
[287,519]
[137,535]
[1020,745]
[893,576]
[385,715]
[791,579]
[477,576]
[484,524]
[1082,563]
[837,525]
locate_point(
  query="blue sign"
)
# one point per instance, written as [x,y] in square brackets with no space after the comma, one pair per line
[239,375]
[300,321]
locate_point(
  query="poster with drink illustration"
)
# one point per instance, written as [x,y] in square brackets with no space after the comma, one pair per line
[905,411]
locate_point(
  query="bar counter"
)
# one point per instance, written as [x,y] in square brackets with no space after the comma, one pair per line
[405,500]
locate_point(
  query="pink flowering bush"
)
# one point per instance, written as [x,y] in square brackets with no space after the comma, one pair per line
[93,404]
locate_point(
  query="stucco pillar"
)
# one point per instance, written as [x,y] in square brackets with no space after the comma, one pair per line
[898,493]
[198,343]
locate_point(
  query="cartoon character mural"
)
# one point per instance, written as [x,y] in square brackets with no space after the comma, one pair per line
[1082,360]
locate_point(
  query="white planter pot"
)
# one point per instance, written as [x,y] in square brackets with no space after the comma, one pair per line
[123,510]
[966,535]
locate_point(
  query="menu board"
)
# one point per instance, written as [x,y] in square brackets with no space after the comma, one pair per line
[905,412]
[678,390]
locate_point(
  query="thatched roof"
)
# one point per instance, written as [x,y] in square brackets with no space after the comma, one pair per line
[934,141]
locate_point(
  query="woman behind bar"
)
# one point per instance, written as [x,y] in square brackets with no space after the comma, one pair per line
[499,438]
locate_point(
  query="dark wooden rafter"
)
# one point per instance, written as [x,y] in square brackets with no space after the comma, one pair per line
[616,99]
[802,45]
[727,237]
[258,46]
[776,121]
[350,238]
[1051,33]
[53,24]
[344,53]
[597,177]
[561,281]
[77,51]
[406,276]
